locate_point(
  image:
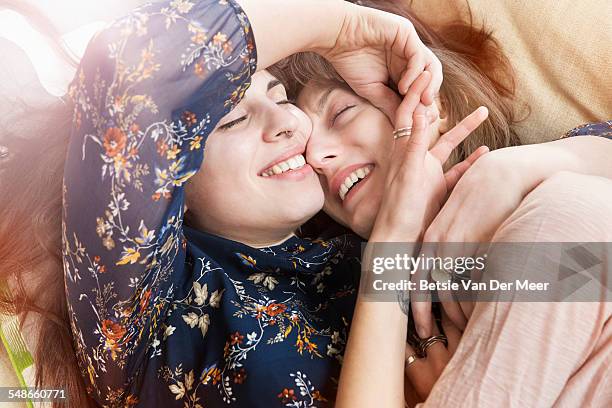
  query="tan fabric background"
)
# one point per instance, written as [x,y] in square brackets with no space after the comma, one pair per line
[561,51]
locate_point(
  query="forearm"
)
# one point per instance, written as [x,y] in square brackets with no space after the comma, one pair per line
[527,166]
[591,155]
[284,27]
[373,368]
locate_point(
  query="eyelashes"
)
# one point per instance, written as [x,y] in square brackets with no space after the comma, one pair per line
[233,123]
[340,112]
[241,119]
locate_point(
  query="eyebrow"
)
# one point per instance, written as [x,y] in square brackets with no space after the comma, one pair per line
[273,83]
[323,100]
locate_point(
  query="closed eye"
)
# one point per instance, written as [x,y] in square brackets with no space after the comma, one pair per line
[340,112]
[234,122]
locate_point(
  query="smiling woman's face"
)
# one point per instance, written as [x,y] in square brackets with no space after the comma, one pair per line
[253,185]
[350,149]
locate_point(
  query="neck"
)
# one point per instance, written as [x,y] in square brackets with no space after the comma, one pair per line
[256,238]
[261,242]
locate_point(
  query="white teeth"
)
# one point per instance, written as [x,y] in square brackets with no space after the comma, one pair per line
[351,179]
[292,163]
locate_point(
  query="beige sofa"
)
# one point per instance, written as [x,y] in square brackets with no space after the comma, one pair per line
[561,51]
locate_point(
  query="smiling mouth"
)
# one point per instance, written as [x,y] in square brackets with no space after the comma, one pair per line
[353,179]
[293,163]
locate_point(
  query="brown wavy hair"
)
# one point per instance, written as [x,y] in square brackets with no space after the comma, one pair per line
[476,73]
[32,156]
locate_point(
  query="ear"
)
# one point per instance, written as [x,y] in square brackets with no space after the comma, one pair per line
[444,125]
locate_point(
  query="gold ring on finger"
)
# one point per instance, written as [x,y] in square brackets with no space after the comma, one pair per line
[411,359]
[402,132]
[428,342]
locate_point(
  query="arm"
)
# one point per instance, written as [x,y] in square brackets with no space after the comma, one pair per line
[415,183]
[149,89]
[496,185]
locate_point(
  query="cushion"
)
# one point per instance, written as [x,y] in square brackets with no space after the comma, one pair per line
[560,51]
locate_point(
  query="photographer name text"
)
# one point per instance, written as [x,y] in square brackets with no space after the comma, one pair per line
[469,285]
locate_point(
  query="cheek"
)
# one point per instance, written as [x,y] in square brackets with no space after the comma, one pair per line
[371,132]
[304,121]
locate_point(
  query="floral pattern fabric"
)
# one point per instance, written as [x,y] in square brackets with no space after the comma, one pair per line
[602,129]
[162,314]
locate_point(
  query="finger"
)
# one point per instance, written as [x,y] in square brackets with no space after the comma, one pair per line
[453,175]
[418,143]
[437,354]
[435,68]
[452,333]
[405,111]
[456,249]
[451,139]
[420,300]
[454,312]
[416,66]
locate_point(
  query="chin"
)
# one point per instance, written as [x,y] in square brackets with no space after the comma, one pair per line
[301,210]
[363,218]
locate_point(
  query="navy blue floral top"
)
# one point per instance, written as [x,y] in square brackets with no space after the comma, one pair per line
[164,315]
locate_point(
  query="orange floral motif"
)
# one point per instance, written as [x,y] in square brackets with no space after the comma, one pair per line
[173,152]
[114,141]
[275,309]
[219,38]
[240,376]
[145,299]
[112,331]
[287,395]
[195,143]
[190,118]
[236,338]
[199,69]
[199,37]
[131,400]
[213,374]
[162,147]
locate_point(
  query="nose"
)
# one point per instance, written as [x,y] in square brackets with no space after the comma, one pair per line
[280,123]
[322,151]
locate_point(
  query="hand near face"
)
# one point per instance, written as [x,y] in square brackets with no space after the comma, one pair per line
[416,184]
[375,47]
